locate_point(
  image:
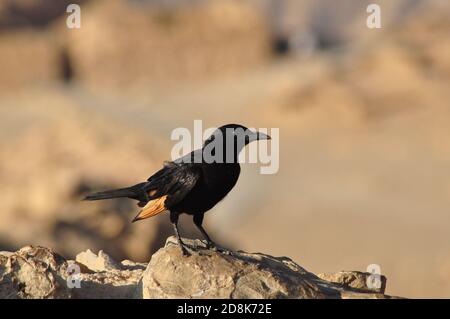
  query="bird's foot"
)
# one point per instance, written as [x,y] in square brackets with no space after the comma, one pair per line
[185,250]
[211,245]
[188,249]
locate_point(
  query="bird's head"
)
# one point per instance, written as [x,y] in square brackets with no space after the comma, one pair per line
[236,136]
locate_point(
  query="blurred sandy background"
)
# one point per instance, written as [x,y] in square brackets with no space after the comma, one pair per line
[364,120]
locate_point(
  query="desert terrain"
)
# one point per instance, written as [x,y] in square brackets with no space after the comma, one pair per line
[363,114]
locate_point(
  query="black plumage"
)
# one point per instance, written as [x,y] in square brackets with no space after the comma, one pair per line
[192,184]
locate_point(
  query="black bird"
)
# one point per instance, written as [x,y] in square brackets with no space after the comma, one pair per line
[194,183]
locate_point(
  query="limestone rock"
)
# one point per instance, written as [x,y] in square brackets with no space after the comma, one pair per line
[39,272]
[355,280]
[110,278]
[111,284]
[209,274]
[100,262]
[32,272]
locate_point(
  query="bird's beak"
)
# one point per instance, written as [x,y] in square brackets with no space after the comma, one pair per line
[262,136]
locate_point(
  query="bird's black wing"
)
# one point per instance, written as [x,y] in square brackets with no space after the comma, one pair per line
[168,186]
[175,180]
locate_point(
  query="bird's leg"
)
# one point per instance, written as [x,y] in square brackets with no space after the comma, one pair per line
[174,221]
[198,220]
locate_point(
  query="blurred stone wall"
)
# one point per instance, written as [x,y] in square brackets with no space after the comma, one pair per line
[126,44]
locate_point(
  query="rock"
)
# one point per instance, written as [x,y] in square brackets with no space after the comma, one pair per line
[33,272]
[102,262]
[39,272]
[6,253]
[111,284]
[209,274]
[355,280]
[131,265]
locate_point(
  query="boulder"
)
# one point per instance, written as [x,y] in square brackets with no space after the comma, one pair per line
[212,274]
[39,272]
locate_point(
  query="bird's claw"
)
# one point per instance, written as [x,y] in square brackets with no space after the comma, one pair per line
[211,245]
[185,251]
[188,250]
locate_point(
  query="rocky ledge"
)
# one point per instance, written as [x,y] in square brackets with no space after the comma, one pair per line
[39,272]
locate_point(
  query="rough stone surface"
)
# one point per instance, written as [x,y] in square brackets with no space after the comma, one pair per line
[208,274]
[32,272]
[356,280]
[38,272]
[100,262]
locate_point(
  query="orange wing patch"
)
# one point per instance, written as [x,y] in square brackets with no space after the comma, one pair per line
[152,208]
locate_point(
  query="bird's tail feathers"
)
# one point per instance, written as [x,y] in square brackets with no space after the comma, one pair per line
[129,192]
